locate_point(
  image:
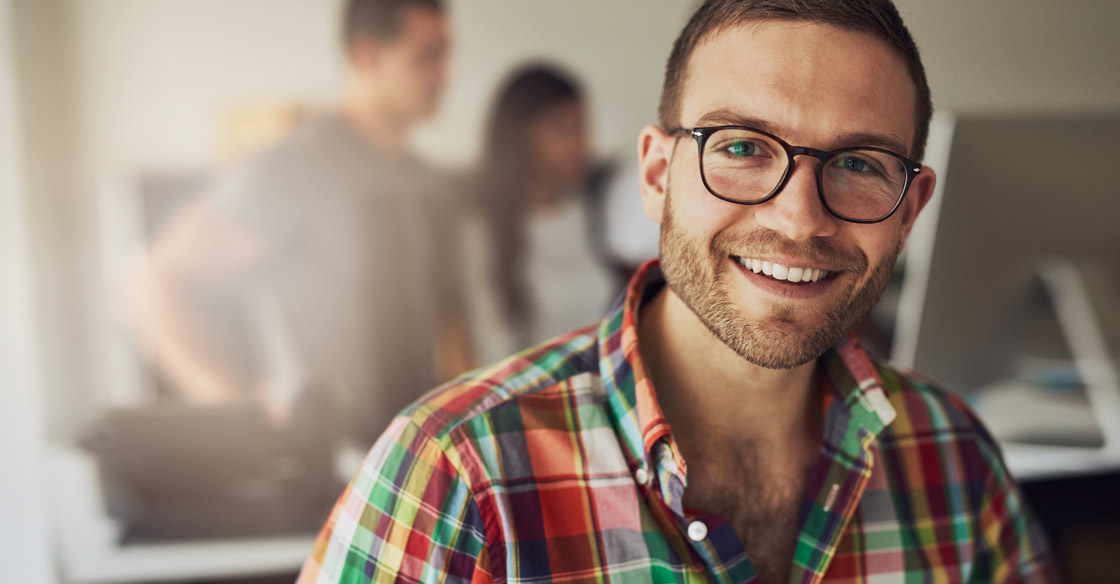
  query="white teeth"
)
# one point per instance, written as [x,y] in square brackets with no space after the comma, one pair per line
[780,272]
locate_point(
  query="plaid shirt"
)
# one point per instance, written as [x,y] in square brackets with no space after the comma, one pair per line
[557,465]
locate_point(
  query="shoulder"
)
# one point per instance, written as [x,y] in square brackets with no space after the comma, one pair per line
[297,146]
[275,170]
[922,404]
[547,371]
[318,148]
[946,468]
[929,415]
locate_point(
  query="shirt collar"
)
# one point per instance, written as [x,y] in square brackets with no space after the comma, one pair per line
[857,404]
[633,403]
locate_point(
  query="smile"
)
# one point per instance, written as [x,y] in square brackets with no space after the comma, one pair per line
[783,273]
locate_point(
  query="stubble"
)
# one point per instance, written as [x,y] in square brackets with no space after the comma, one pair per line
[696,273]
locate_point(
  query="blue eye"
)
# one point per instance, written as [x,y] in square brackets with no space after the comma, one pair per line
[855,164]
[742,148]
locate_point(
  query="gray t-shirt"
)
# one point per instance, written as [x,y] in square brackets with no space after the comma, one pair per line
[360,264]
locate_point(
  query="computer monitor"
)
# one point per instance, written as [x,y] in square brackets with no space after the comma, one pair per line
[983,301]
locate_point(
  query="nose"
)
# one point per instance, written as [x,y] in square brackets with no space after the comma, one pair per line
[797,211]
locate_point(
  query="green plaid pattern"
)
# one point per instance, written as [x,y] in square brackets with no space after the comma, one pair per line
[557,465]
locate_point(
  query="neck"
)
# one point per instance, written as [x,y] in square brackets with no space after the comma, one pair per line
[710,394]
[387,133]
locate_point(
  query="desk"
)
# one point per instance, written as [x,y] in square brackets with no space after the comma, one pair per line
[1045,434]
[87,539]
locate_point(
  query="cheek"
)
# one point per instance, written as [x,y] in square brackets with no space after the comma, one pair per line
[692,227]
[559,150]
[700,213]
[412,80]
[881,252]
[883,242]
[561,153]
[689,197]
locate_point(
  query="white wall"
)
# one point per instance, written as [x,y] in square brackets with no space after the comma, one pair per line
[155,75]
[1021,55]
[24,545]
[112,86]
[58,211]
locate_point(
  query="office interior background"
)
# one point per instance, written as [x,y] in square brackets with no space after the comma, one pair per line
[95,93]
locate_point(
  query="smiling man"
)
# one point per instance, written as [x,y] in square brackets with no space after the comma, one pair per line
[720,424]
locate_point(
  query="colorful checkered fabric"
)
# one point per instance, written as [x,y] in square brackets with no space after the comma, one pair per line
[557,465]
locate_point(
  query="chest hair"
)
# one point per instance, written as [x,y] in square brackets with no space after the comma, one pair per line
[761,504]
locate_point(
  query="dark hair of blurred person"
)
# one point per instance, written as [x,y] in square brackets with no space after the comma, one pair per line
[536,153]
[379,19]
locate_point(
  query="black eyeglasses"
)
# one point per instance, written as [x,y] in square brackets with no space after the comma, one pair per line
[746,166]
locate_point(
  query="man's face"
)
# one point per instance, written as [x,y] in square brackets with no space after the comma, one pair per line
[410,71]
[812,85]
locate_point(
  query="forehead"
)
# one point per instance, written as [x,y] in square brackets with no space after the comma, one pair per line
[420,24]
[812,83]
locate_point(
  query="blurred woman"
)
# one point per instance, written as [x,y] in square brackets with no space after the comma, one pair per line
[540,272]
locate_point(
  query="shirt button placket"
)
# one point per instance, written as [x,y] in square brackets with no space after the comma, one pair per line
[697,531]
[642,476]
[666,468]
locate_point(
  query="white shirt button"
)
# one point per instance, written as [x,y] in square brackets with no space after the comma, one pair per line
[641,475]
[697,531]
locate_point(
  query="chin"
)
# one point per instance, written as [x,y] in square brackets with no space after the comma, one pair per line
[777,343]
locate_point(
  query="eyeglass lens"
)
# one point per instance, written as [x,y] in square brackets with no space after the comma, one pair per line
[747,166]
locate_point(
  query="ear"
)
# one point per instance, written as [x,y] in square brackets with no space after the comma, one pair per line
[655,152]
[921,190]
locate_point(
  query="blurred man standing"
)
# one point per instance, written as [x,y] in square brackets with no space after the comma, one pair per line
[338,231]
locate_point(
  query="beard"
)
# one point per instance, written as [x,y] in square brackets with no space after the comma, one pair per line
[779,340]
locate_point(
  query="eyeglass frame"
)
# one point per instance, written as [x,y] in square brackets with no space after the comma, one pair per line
[702,133]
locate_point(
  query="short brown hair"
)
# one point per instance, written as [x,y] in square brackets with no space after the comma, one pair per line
[879,18]
[380,20]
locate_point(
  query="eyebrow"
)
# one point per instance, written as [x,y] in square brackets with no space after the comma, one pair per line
[729,117]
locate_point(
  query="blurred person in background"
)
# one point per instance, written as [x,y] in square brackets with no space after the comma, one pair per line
[537,198]
[338,234]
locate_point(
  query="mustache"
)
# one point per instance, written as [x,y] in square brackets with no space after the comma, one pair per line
[766,242]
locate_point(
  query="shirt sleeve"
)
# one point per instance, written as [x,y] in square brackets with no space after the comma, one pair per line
[406,516]
[1011,546]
